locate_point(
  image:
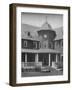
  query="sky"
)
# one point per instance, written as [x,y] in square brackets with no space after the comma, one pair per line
[37,19]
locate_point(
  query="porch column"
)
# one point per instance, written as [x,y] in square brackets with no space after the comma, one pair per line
[49,59]
[56,58]
[36,58]
[25,57]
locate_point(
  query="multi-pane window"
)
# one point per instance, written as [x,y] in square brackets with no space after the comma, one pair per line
[35,45]
[50,45]
[56,44]
[39,45]
[30,44]
[59,44]
[25,43]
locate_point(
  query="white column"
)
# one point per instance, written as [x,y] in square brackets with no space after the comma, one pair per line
[56,58]
[49,59]
[36,58]
[25,57]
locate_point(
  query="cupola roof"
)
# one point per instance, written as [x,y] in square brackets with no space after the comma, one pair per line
[46,26]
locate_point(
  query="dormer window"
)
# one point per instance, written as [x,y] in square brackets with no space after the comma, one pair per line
[29,34]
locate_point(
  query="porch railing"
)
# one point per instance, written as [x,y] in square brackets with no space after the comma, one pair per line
[31,64]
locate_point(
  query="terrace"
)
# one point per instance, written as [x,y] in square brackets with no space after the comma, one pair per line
[36,69]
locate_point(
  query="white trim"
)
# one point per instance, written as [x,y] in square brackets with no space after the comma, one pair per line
[49,59]
[56,58]
[25,57]
[36,58]
[63,77]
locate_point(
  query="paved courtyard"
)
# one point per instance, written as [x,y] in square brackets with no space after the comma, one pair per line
[52,72]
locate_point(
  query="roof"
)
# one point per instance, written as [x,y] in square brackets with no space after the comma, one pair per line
[30,38]
[41,51]
[59,33]
[46,26]
[26,27]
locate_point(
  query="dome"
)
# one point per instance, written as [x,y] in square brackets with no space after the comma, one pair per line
[46,31]
[46,26]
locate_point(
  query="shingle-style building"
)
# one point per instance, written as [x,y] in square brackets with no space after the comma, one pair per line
[43,48]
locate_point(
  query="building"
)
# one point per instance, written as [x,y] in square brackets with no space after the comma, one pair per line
[43,49]
[58,44]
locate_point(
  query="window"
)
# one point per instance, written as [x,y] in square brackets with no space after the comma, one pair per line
[49,46]
[57,44]
[34,44]
[62,43]
[28,33]
[39,45]
[45,45]
[25,43]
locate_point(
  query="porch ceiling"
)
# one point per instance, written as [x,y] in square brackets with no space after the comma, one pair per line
[41,51]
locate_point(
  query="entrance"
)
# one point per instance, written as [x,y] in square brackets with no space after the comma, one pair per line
[44,58]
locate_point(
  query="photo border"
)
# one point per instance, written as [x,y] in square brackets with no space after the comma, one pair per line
[12,63]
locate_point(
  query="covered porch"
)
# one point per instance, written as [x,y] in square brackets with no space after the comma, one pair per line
[33,60]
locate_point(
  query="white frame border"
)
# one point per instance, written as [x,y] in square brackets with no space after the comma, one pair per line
[63,77]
